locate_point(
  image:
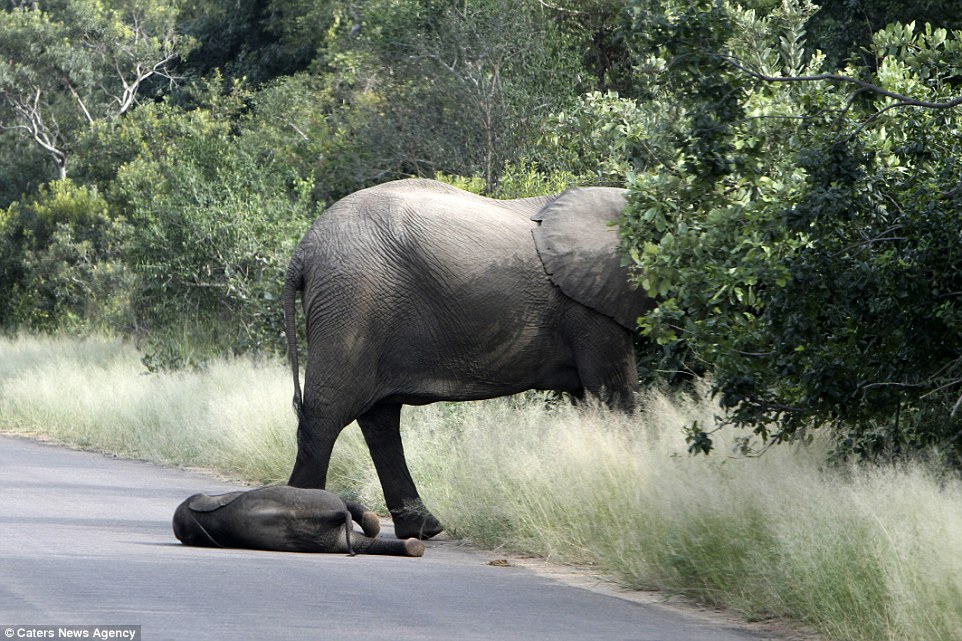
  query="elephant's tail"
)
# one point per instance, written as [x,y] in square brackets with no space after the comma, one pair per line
[293,282]
[348,528]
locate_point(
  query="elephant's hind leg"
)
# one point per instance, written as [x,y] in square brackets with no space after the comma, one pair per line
[395,547]
[327,410]
[381,426]
[314,448]
[364,517]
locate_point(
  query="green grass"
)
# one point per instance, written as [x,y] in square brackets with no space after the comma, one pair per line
[858,553]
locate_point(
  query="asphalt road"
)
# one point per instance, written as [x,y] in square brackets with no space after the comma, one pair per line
[85,539]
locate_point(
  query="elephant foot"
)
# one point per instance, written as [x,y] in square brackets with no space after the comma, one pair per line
[415,524]
[370,524]
[413,547]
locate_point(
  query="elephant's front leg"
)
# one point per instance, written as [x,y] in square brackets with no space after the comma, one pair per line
[381,426]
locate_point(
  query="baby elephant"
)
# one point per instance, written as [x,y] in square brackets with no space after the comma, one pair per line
[285,519]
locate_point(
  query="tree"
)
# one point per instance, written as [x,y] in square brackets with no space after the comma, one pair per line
[262,40]
[808,256]
[214,218]
[845,30]
[600,29]
[305,123]
[460,85]
[80,61]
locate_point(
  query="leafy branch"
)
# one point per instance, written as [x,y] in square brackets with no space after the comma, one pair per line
[902,99]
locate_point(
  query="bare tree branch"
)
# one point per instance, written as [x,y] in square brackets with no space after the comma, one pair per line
[554,7]
[80,102]
[29,115]
[129,96]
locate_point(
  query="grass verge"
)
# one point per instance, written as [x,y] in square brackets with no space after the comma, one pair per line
[858,553]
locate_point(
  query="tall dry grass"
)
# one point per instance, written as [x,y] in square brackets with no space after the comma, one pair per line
[865,553]
[860,553]
[95,393]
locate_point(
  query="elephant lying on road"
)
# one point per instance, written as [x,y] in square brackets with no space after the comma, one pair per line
[284,519]
[415,291]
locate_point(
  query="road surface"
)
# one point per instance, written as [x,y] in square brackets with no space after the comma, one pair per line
[85,539]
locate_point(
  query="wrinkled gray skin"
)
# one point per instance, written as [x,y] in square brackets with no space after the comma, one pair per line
[284,519]
[416,292]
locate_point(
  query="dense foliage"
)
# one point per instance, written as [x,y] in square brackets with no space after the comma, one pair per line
[803,229]
[793,174]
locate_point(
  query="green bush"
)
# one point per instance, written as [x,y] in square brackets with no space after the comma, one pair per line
[62,263]
[517,180]
[212,218]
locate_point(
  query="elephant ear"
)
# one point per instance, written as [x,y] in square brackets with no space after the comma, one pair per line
[577,242]
[207,503]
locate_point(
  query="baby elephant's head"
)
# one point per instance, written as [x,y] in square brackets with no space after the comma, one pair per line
[187,528]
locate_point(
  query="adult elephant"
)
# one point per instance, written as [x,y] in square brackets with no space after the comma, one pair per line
[415,291]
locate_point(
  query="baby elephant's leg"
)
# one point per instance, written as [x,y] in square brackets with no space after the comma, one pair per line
[396,547]
[364,517]
[369,543]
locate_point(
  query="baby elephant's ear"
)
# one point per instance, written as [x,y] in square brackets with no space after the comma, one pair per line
[577,242]
[207,503]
